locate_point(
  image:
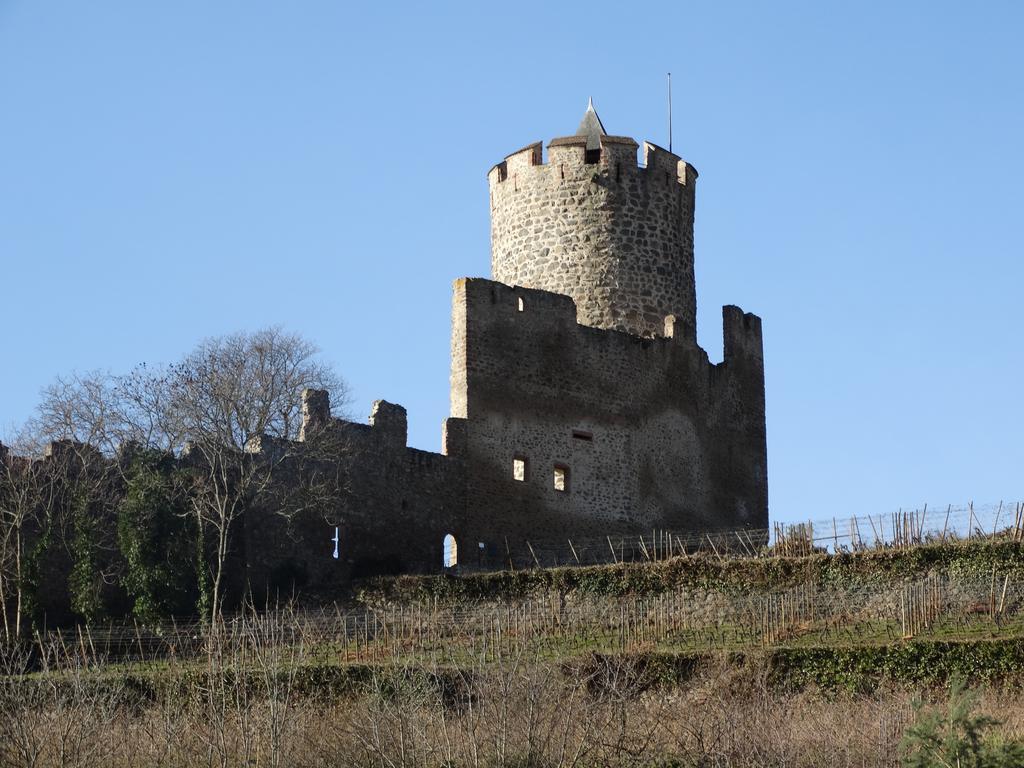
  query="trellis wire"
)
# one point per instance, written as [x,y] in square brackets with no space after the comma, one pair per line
[937,604]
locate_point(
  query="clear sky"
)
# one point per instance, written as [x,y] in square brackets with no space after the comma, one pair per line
[170,171]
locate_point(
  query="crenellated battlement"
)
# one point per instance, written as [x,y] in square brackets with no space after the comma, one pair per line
[568,155]
[741,335]
[594,223]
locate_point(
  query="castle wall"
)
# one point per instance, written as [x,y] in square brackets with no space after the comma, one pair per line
[615,236]
[652,435]
[393,506]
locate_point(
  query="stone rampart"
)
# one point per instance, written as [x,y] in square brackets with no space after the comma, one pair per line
[392,505]
[571,430]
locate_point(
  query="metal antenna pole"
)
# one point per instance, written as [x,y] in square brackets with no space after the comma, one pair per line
[669,111]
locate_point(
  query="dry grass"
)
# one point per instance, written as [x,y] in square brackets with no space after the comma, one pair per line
[515,711]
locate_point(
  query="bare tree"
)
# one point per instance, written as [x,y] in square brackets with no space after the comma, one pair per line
[228,390]
[108,411]
[19,511]
[237,399]
[51,495]
[231,407]
[234,389]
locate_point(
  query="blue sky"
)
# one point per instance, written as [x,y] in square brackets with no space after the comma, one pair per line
[170,171]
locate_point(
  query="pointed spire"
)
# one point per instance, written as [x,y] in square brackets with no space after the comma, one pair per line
[591,127]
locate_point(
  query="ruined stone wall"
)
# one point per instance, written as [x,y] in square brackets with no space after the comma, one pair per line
[616,237]
[393,506]
[649,432]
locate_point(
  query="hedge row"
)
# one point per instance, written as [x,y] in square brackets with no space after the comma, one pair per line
[858,669]
[852,670]
[735,575]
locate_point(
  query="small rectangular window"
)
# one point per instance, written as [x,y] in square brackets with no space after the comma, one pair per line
[561,478]
[519,468]
[583,434]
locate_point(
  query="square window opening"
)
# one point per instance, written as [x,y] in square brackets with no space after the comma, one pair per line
[519,468]
[561,478]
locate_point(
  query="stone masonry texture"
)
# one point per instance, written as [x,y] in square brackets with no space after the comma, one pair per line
[581,404]
[614,236]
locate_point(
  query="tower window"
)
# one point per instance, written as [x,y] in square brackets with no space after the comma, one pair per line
[591,156]
[561,478]
[583,434]
[519,303]
[519,468]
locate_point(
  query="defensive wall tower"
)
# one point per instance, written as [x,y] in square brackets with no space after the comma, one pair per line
[593,224]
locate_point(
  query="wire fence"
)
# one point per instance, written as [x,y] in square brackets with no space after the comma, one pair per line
[937,606]
[940,605]
[900,529]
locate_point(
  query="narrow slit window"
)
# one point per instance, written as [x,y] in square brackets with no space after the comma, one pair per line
[561,478]
[519,468]
[519,303]
[583,434]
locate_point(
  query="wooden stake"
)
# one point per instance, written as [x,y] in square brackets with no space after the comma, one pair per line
[535,560]
[643,548]
[713,547]
[871,520]
[577,557]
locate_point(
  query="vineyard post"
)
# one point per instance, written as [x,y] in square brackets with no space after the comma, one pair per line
[575,556]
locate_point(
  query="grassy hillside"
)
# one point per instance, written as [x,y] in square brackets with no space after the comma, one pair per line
[694,661]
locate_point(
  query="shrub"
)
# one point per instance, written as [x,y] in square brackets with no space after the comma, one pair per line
[956,736]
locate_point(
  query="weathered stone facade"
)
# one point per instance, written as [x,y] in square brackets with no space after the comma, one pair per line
[647,433]
[581,404]
[394,505]
[595,226]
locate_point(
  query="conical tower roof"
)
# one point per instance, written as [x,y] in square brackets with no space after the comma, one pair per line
[591,127]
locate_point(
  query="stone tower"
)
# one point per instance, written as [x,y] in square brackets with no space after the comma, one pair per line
[582,407]
[594,225]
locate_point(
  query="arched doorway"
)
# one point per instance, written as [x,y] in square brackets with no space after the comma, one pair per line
[451,552]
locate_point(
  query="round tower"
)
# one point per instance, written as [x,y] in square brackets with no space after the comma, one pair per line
[593,224]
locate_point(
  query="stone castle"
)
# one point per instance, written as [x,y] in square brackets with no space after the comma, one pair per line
[581,404]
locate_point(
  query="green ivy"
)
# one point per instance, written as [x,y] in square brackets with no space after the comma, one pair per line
[155,535]
[33,565]
[85,582]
